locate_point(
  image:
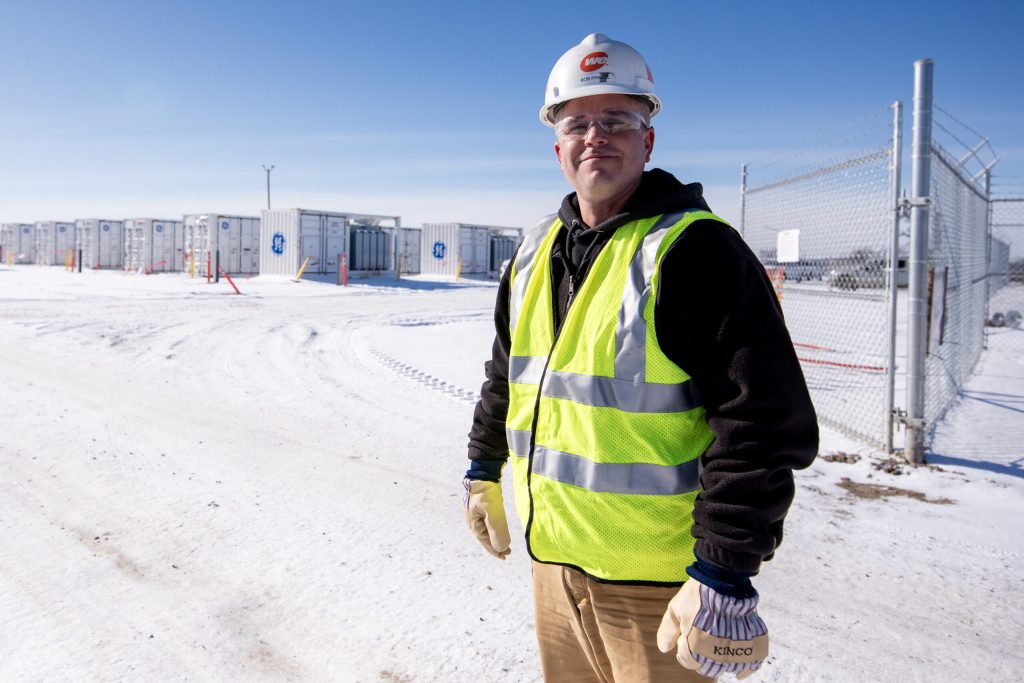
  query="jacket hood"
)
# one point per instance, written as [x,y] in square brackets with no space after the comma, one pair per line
[659,192]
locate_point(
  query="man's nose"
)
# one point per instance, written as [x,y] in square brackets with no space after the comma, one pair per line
[595,134]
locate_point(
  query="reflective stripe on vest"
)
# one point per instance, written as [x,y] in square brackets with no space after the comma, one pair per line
[631,334]
[524,266]
[526,369]
[635,478]
[606,392]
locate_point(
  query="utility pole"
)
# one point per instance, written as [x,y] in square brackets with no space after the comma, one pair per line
[268,170]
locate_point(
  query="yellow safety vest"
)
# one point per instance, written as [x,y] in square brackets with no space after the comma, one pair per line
[605,432]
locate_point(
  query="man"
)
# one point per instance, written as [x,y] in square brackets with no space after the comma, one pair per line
[646,390]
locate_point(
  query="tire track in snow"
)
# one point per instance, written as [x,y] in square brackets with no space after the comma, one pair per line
[411,372]
[414,373]
[431,321]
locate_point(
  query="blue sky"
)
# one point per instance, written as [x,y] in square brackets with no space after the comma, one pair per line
[130,109]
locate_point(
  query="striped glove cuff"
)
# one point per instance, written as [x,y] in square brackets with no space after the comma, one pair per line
[714,633]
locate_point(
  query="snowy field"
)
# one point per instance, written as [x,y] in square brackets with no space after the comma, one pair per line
[201,486]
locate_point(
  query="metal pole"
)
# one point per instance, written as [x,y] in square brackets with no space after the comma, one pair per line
[920,189]
[894,258]
[988,255]
[268,170]
[743,200]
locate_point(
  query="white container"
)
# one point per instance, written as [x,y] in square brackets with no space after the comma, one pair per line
[7,236]
[100,242]
[54,241]
[409,250]
[459,248]
[153,245]
[289,236]
[236,239]
[19,242]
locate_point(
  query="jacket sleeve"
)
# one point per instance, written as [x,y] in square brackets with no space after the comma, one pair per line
[488,448]
[717,317]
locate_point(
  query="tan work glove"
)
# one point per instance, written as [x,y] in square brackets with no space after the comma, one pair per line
[714,633]
[485,515]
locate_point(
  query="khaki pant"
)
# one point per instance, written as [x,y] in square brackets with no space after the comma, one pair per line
[601,632]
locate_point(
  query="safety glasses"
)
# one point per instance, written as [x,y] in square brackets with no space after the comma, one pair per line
[608,122]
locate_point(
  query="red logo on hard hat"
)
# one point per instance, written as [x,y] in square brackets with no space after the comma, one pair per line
[594,61]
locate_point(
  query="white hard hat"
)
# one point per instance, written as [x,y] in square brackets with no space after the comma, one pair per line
[598,66]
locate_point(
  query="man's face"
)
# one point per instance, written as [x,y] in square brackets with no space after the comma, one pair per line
[603,167]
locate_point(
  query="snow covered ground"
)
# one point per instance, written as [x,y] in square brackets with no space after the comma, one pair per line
[196,485]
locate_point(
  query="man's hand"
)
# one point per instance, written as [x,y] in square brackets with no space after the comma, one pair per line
[714,633]
[485,515]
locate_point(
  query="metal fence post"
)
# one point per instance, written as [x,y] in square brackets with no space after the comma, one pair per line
[988,254]
[920,184]
[743,199]
[894,257]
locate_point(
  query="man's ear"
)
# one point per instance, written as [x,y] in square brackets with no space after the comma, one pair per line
[558,152]
[649,142]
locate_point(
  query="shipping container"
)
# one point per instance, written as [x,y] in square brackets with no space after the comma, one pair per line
[409,250]
[235,240]
[464,248]
[153,245]
[290,236]
[100,242]
[19,242]
[55,240]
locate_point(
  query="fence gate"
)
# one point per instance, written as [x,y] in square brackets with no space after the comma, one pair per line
[823,223]
[957,256]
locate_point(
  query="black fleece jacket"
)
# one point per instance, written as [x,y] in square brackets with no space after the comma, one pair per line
[717,317]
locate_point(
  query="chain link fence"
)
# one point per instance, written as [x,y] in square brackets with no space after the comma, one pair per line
[1005,330]
[958,274]
[821,220]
